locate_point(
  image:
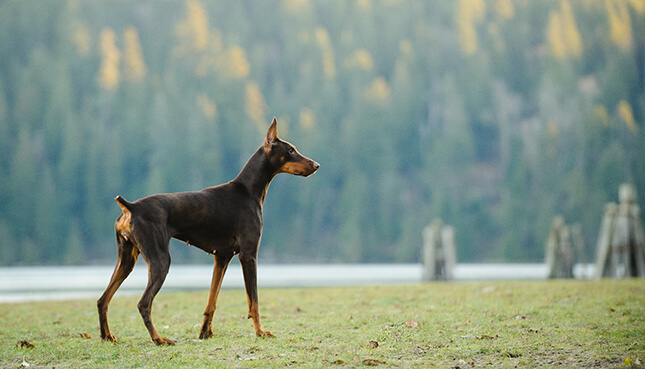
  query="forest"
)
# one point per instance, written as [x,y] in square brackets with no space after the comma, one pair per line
[493,115]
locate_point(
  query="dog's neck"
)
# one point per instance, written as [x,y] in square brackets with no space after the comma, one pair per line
[256,175]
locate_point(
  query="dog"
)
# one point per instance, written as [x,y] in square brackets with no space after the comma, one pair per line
[224,220]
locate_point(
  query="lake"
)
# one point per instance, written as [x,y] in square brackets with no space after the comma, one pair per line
[18,284]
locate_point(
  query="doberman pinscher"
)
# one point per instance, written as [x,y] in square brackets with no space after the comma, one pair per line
[224,220]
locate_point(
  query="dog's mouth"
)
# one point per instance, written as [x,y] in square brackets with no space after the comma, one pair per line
[304,169]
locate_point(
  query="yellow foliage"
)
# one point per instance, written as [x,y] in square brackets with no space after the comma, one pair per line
[207,105]
[478,9]
[626,114]
[620,24]
[505,9]
[203,47]
[307,120]
[638,5]
[554,35]
[329,66]
[570,30]
[82,40]
[360,59]
[134,64]
[198,20]
[322,36]
[469,13]
[237,65]
[378,91]
[255,104]
[562,32]
[468,38]
[110,56]
[294,6]
[365,4]
[193,31]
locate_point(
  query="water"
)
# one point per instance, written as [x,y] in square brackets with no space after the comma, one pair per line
[18,284]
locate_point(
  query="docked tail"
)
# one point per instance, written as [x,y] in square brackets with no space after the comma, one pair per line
[126,206]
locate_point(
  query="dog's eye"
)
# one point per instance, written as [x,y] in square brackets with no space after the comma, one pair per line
[291,150]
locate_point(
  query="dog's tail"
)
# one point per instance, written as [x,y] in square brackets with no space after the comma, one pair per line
[125,205]
[123,225]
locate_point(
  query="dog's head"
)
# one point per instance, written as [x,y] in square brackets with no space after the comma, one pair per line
[284,155]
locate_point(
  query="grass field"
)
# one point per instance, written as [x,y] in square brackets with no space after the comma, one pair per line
[525,324]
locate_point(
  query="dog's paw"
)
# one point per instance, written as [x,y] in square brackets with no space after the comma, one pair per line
[163,341]
[109,338]
[205,335]
[265,334]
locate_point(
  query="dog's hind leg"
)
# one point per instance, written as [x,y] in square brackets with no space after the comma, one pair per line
[157,257]
[221,263]
[127,257]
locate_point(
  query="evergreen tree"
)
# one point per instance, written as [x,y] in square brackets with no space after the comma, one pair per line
[492,114]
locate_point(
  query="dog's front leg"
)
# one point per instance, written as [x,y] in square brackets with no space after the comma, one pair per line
[221,263]
[249,269]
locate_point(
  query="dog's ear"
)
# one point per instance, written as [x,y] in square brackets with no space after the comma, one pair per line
[272,135]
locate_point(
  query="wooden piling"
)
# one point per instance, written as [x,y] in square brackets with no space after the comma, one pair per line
[621,244]
[559,253]
[439,252]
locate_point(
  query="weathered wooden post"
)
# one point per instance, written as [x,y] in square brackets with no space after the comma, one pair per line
[559,254]
[621,244]
[579,250]
[578,244]
[439,252]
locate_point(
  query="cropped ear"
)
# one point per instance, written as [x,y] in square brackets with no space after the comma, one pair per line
[272,135]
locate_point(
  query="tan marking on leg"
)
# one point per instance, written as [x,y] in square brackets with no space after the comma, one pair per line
[254,314]
[218,275]
[123,224]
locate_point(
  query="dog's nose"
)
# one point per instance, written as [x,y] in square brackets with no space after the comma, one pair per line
[316,165]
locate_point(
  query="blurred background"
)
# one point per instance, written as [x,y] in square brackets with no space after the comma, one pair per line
[493,115]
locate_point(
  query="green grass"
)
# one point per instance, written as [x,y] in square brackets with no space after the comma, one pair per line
[524,324]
